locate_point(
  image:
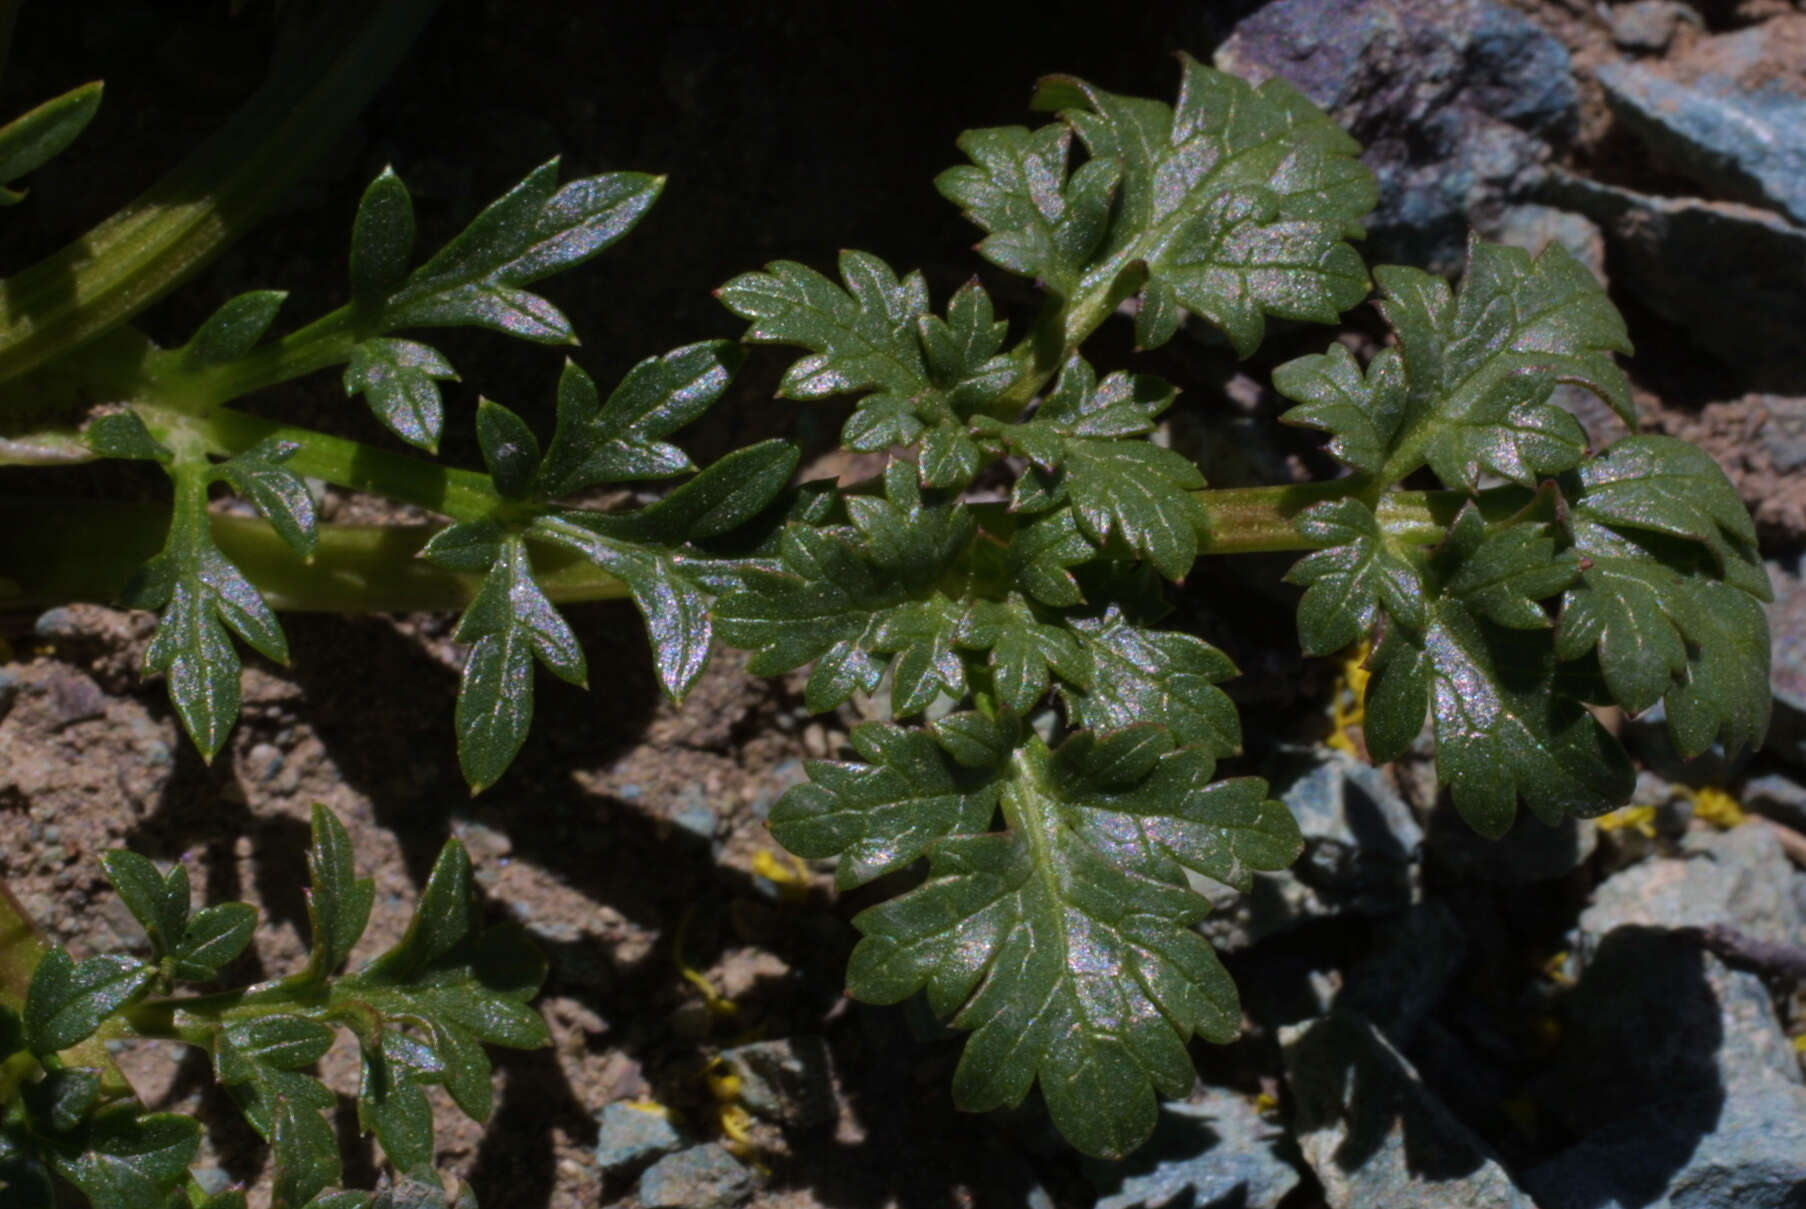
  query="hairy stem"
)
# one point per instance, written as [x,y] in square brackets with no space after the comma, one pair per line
[215,195]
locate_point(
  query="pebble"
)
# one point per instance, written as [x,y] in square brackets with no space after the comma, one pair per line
[627,1136]
[702,1177]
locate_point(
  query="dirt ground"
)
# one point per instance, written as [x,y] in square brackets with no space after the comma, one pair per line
[628,824]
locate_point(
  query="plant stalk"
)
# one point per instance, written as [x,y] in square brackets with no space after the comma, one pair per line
[215,195]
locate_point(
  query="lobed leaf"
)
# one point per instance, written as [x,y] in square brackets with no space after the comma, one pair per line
[1358,575]
[620,440]
[1160,677]
[338,901]
[276,492]
[1670,592]
[201,596]
[1234,205]
[511,624]
[68,1000]
[400,380]
[534,230]
[876,334]
[1467,389]
[122,434]
[1064,942]
[1083,448]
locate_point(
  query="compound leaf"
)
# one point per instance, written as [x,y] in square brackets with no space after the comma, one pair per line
[159,902]
[1234,205]
[262,1060]
[304,1155]
[215,936]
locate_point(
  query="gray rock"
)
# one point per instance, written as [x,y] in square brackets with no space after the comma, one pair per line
[1779,796]
[1362,850]
[1656,1018]
[1742,141]
[1400,983]
[627,1136]
[1738,877]
[1374,1134]
[1211,1151]
[1727,273]
[1783,434]
[1787,630]
[1752,1156]
[1453,101]
[1649,25]
[788,1082]
[702,1177]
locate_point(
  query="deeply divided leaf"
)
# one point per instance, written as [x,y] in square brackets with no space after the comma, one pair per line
[1064,941]
[1467,388]
[1234,205]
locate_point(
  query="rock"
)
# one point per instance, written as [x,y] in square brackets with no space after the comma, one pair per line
[1787,630]
[1728,112]
[1400,983]
[1657,1018]
[1676,1071]
[1753,1156]
[1374,1134]
[1649,25]
[1216,1150]
[1361,852]
[1738,877]
[1453,101]
[1779,797]
[627,1137]
[1783,434]
[788,1082]
[1727,273]
[702,1177]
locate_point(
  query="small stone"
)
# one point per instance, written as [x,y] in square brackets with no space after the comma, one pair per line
[1727,112]
[627,1136]
[1649,25]
[1362,848]
[9,690]
[702,1177]
[1728,274]
[264,761]
[1374,1133]
[787,1082]
[58,624]
[1213,1150]
[1738,877]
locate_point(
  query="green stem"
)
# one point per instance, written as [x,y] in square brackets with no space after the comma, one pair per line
[462,495]
[215,195]
[328,340]
[89,550]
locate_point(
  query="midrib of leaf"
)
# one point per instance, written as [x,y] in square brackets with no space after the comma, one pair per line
[1025,797]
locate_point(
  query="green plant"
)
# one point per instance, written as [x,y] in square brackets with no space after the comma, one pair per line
[421,1013]
[1066,785]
